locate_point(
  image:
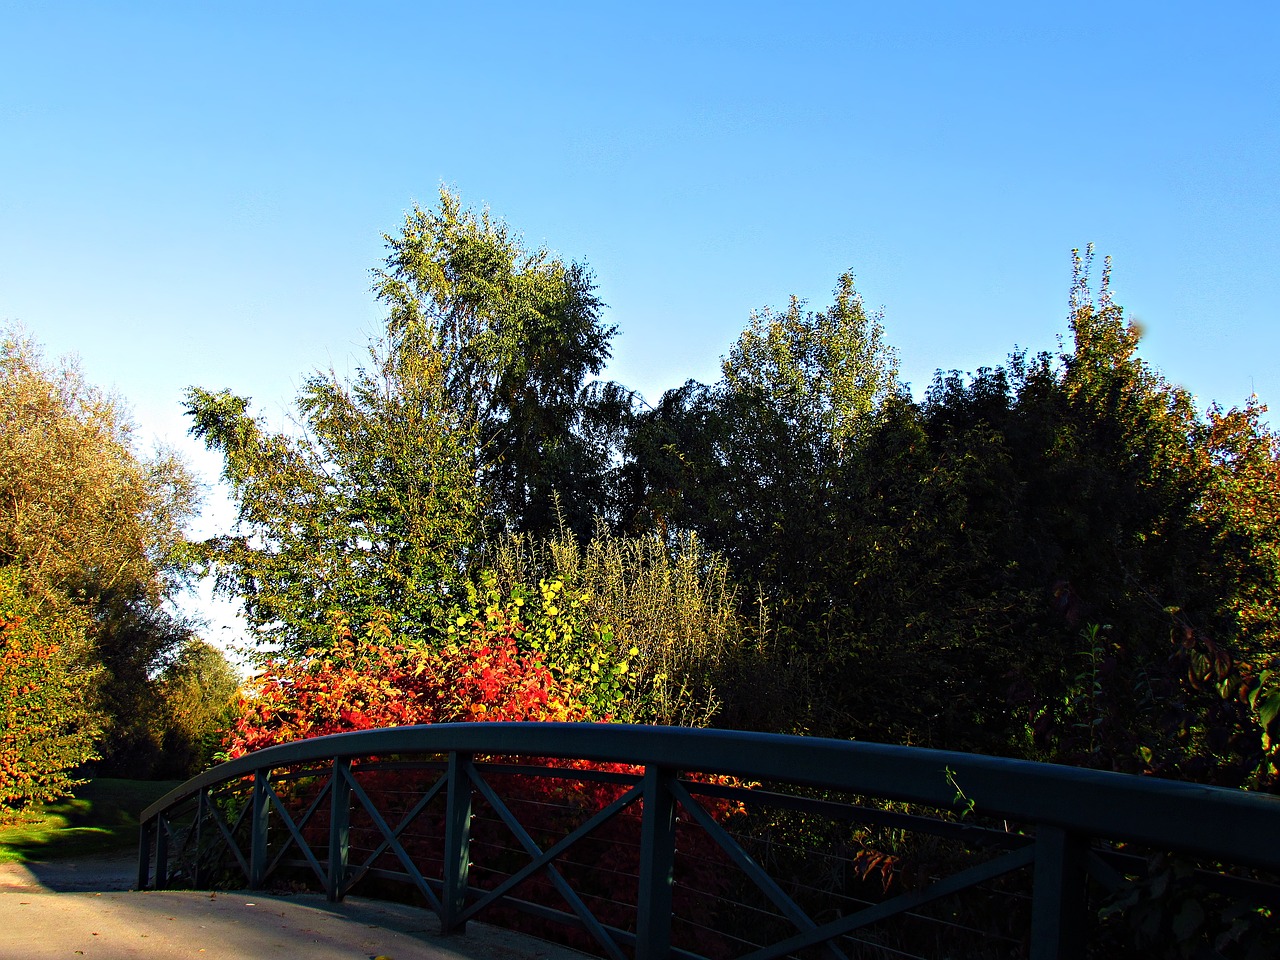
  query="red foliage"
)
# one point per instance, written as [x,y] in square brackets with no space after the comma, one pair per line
[361,686]
[358,685]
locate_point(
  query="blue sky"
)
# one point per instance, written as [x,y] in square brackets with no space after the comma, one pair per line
[195,194]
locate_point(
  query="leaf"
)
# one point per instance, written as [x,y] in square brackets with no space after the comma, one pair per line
[1269,709]
[1189,919]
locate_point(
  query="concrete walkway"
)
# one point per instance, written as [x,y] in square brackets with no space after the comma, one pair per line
[53,910]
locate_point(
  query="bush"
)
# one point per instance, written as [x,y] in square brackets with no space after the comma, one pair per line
[652,622]
[361,683]
[481,674]
[48,728]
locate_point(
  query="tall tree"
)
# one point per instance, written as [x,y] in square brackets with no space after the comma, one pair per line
[749,463]
[90,529]
[819,374]
[80,510]
[372,507]
[519,335]
[474,410]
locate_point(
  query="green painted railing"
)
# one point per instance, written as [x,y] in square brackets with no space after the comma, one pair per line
[1059,829]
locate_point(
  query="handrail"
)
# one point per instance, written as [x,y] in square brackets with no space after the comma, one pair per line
[1068,806]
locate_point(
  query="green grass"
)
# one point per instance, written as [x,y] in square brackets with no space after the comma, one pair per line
[100,818]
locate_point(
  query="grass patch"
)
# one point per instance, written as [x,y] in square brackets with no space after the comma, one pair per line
[101,817]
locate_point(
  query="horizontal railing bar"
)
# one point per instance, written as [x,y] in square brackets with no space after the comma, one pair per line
[386,873]
[857,813]
[1232,825]
[561,773]
[281,775]
[375,765]
[885,948]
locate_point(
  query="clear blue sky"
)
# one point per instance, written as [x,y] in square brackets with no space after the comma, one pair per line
[195,193]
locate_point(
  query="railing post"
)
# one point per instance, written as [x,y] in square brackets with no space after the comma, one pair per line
[339,827]
[162,852]
[657,861]
[1058,915]
[258,818]
[144,854]
[196,871]
[457,843]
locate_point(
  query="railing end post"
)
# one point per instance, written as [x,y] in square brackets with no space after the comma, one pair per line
[144,854]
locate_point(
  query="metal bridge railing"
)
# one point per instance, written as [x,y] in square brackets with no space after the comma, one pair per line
[626,834]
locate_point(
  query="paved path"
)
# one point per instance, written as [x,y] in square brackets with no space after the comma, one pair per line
[83,909]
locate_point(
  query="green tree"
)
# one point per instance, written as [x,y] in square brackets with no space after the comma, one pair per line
[749,463]
[1098,495]
[372,507]
[198,704]
[519,335]
[474,410]
[821,375]
[91,529]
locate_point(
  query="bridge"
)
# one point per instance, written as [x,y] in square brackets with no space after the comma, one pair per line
[657,842]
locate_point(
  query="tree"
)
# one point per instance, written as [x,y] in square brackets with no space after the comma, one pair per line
[821,375]
[749,463]
[373,507]
[90,529]
[518,333]
[198,696]
[473,411]
[1126,570]
[80,511]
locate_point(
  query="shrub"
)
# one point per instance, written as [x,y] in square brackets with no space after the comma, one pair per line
[481,674]
[360,683]
[653,623]
[48,729]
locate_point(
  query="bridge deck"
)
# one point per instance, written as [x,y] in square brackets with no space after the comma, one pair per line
[53,910]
